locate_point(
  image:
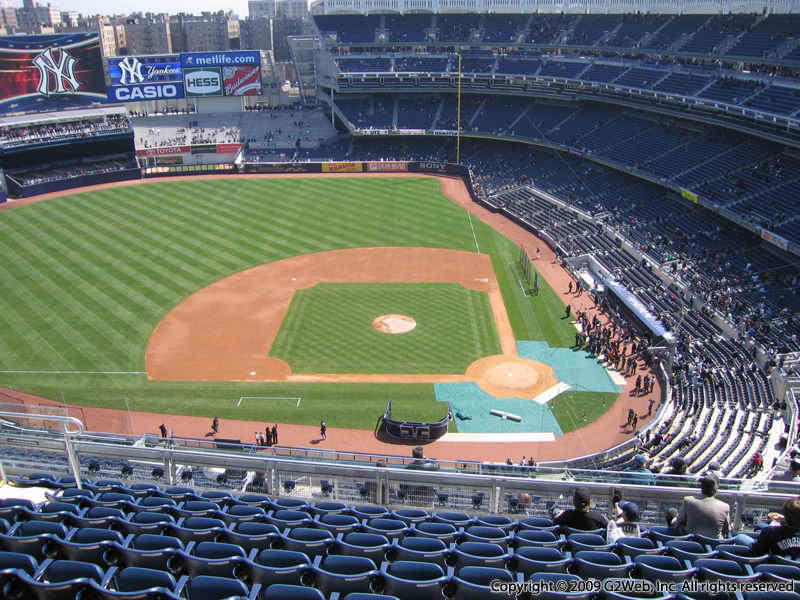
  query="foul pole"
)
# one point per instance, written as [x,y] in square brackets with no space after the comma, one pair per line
[458,117]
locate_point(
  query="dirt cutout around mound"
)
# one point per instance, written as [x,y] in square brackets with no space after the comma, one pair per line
[504,376]
[394,324]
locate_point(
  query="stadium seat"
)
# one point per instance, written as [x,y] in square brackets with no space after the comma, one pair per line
[180,494]
[479,554]
[327,507]
[38,539]
[220,498]
[199,508]
[89,544]
[487,535]
[254,500]
[472,583]
[157,504]
[5,526]
[363,596]
[419,549]
[289,504]
[112,500]
[538,537]
[648,595]
[770,596]
[499,521]
[196,529]
[538,523]
[239,513]
[410,516]
[278,566]
[287,519]
[207,587]
[740,554]
[370,545]
[568,531]
[146,522]
[409,579]
[712,542]
[587,541]
[75,496]
[535,559]
[210,558]
[250,534]
[148,552]
[343,574]
[18,560]
[665,534]
[64,570]
[592,564]
[443,531]
[280,591]
[136,579]
[16,584]
[337,523]
[369,511]
[10,506]
[772,572]
[51,511]
[98,516]
[312,542]
[391,528]
[717,568]
[142,490]
[456,519]
[635,546]
[688,550]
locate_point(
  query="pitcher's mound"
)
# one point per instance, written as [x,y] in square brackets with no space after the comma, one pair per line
[393,324]
[510,377]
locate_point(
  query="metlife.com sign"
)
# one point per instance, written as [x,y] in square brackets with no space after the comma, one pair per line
[221,59]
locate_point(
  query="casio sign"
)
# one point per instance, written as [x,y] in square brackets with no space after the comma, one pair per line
[203,82]
[145,92]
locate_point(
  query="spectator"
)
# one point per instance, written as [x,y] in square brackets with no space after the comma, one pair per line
[163,429]
[420,463]
[323,430]
[783,538]
[705,514]
[581,517]
[639,473]
[625,524]
[791,474]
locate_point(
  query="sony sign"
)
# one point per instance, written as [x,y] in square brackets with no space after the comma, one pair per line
[202,82]
[137,93]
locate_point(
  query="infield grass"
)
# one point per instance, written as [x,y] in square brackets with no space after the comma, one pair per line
[86,278]
[573,410]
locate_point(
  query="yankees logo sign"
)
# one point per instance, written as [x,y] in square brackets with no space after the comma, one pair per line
[131,71]
[56,76]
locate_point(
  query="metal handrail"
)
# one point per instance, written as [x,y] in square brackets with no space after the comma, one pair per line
[63,419]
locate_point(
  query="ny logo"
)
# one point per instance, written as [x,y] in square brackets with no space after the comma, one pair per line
[131,71]
[62,73]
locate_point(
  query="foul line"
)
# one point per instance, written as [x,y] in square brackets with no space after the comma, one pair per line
[474,237]
[77,372]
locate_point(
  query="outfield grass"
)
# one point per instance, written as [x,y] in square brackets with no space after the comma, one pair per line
[86,278]
[573,410]
[328,329]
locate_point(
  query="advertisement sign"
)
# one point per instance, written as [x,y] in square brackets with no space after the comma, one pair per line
[690,196]
[342,167]
[132,70]
[50,72]
[202,81]
[241,81]
[387,167]
[169,160]
[775,239]
[434,166]
[282,168]
[228,148]
[163,151]
[150,91]
[204,149]
[221,59]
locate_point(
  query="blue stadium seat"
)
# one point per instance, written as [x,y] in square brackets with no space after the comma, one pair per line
[538,523]
[136,579]
[75,496]
[211,558]
[442,531]
[312,542]
[220,498]
[180,494]
[251,534]
[480,554]
[51,511]
[327,507]
[239,513]
[391,528]
[5,526]
[206,587]
[712,542]
[124,502]
[142,490]
[146,523]
[38,539]
[487,535]
[196,529]
[587,541]
[472,583]
[370,545]
[363,596]
[456,519]
[534,559]
[289,504]
[64,570]
[199,508]
[717,568]
[773,572]
[89,544]
[369,511]
[568,531]
[278,566]
[665,534]
[280,591]
[16,584]
[18,560]
[419,549]
[635,546]
[337,523]
[500,521]
[538,537]
[286,519]
[651,595]
[410,516]
[740,554]
[770,596]
[688,550]
[157,504]
[592,564]
[551,578]
[409,579]
[148,551]
[10,506]
[101,517]
[343,574]
[259,500]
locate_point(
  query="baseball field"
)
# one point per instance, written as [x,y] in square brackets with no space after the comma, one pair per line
[94,285]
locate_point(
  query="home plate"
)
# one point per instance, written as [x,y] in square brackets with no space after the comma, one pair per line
[252,373]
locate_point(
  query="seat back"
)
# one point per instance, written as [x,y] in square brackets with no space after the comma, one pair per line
[344,574]
[204,587]
[279,566]
[537,559]
[408,579]
[281,591]
[136,579]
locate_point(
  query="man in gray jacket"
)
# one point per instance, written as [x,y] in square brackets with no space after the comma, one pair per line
[705,514]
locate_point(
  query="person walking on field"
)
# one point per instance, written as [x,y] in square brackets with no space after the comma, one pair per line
[163,429]
[323,430]
[268,433]
[275,434]
[215,425]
